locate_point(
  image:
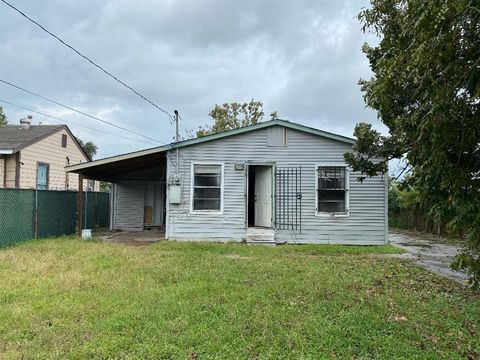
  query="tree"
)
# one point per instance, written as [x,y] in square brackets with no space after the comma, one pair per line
[233,116]
[426,90]
[3,117]
[89,147]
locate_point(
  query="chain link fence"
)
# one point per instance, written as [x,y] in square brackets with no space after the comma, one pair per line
[27,214]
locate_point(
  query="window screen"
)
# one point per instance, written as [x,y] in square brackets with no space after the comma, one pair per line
[64,140]
[331,189]
[207,187]
[42,176]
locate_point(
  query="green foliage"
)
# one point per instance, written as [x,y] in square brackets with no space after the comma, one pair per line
[3,117]
[233,116]
[426,90]
[89,147]
[104,186]
[67,298]
[405,210]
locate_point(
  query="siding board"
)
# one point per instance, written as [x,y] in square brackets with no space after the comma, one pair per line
[49,150]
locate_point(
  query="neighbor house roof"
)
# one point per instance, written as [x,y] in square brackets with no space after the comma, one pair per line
[14,138]
[220,135]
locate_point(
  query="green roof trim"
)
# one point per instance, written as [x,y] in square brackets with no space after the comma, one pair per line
[220,135]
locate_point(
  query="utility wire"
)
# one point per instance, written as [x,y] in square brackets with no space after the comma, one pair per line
[88,59]
[78,111]
[62,120]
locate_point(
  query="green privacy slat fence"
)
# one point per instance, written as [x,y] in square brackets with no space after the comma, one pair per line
[27,214]
[16,216]
[56,213]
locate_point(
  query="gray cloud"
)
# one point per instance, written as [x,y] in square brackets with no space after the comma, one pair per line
[301,58]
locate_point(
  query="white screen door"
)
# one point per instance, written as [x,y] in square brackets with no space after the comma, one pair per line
[263,196]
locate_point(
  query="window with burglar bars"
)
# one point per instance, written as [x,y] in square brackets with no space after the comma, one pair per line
[207,188]
[288,199]
[332,189]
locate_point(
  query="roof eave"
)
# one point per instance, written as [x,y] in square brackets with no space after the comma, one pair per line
[190,142]
[112,159]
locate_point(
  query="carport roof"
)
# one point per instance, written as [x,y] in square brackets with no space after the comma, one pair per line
[107,168]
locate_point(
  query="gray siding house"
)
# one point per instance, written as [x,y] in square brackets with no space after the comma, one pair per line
[274,182]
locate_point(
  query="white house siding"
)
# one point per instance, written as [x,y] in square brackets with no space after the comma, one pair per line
[50,151]
[9,167]
[366,223]
[2,170]
[129,198]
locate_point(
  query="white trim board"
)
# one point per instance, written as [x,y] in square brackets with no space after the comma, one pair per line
[222,187]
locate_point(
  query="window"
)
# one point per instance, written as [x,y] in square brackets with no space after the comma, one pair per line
[64,140]
[332,188]
[42,176]
[90,185]
[207,188]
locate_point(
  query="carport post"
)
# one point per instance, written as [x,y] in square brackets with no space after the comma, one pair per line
[79,205]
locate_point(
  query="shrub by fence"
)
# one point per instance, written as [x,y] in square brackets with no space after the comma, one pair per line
[415,220]
[27,214]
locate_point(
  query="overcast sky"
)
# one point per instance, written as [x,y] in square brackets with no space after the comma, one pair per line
[301,58]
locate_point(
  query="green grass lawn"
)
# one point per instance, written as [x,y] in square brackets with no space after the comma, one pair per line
[67,298]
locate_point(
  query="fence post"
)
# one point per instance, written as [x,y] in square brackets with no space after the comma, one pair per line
[94,210]
[79,205]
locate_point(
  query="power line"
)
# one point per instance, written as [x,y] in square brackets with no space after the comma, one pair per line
[63,120]
[78,111]
[88,59]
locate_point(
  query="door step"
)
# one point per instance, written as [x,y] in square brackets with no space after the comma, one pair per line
[260,236]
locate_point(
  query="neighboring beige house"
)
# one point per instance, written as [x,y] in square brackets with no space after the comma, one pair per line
[35,156]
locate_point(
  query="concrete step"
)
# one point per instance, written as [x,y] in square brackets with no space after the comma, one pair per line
[260,236]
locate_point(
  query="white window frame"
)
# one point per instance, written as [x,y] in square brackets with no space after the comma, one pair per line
[347,192]
[192,183]
[47,175]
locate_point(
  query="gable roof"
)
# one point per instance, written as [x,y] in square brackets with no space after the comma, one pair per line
[14,138]
[220,135]
[277,122]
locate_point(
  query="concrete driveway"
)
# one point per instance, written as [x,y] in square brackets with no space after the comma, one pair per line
[432,256]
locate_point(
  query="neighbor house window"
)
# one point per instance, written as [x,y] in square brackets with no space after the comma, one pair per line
[90,185]
[207,187]
[332,189]
[64,140]
[42,176]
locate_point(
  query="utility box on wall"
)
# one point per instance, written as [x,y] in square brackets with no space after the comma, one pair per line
[174,194]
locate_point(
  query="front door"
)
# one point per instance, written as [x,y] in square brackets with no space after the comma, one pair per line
[263,196]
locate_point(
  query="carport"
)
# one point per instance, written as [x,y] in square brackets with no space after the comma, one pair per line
[138,192]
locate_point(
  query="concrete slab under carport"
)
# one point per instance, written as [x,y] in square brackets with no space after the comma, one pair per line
[113,170]
[132,238]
